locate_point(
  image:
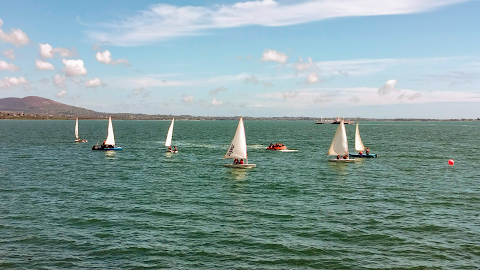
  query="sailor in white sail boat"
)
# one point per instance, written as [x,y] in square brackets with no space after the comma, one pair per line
[175,149]
[367,151]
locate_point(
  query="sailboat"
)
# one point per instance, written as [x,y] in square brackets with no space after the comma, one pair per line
[238,148]
[359,147]
[339,145]
[168,141]
[109,143]
[77,139]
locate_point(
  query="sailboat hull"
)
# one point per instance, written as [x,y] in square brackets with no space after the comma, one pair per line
[240,166]
[364,156]
[99,148]
[342,160]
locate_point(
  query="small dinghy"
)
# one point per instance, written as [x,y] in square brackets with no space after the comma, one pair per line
[359,147]
[277,146]
[238,149]
[168,141]
[109,143]
[77,139]
[339,145]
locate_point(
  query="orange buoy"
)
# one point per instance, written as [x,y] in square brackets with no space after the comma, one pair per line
[451,162]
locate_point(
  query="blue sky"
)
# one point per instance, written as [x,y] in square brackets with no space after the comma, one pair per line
[356,58]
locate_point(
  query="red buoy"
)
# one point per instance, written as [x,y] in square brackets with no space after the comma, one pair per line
[451,162]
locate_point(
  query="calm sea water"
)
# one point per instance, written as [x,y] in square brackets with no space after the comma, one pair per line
[63,205]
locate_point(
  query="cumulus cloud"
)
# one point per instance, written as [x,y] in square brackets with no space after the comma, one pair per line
[12,82]
[93,83]
[9,54]
[17,37]
[59,80]
[106,58]
[387,88]
[251,79]
[61,93]
[74,68]
[300,65]
[47,51]
[217,90]
[272,55]
[164,21]
[7,66]
[312,77]
[41,65]
[216,102]
[187,99]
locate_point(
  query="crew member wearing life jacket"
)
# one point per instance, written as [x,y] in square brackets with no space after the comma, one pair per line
[241,161]
[368,151]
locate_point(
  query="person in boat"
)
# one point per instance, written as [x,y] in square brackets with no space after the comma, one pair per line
[367,151]
[360,153]
[169,149]
[338,156]
[346,156]
[241,161]
[235,161]
[175,149]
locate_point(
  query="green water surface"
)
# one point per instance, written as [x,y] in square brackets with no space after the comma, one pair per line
[63,205]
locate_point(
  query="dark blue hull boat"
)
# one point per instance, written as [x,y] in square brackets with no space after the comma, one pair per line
[364,156]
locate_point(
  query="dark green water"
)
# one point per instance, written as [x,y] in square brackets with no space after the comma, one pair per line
[65,206]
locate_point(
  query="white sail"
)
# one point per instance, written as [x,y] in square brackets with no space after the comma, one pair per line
[110,137]
[339,144]
[238,148]
[358,141]
[168,141]
[76,129]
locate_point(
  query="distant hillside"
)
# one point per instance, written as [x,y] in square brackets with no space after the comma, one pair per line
[43,106]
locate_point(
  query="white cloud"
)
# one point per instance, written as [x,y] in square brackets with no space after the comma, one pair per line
[61,93]
[312,77]
[7,66]
[74,68]
[9,54]
[217,90]
[106,58]
[300,65]
[96,82]
[65,52]
[41,65]
[187,99]
[12,82]
[272,55]
[216,102]
[387,88]
[59,80]
[17,37]
[47,51]
[163,21]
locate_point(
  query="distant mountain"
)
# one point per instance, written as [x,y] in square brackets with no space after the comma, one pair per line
[43,106]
